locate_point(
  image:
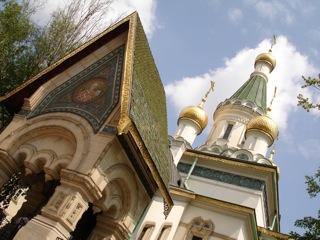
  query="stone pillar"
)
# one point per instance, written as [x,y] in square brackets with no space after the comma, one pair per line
[61,214]
[59,217]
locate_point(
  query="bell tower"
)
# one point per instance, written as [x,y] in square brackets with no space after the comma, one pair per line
[241,126]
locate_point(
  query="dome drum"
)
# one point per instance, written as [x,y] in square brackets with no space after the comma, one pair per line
[265,125]
[195,114]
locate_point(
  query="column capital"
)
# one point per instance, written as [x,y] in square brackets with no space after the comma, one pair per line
[90,186]
[66,206]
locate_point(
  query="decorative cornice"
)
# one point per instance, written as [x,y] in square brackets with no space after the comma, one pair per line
[225,177]
[269,233]
[232,161]
[82,182]
[212,201]
[125,121]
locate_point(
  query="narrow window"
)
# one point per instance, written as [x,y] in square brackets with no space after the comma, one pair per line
[228,131]
[196,238]
[146,232]
[164,233]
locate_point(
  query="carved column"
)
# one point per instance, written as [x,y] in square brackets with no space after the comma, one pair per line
[64,209]
[58,217]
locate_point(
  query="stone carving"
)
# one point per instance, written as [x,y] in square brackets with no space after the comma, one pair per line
[66,206]
[93,93]
[200,228]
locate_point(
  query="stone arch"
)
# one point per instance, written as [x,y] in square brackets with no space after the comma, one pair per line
[119,203]
[124,175]
[68,130]
[243,154]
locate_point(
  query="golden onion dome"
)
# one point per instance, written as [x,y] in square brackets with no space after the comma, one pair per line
[268,58]
[195,114]
[265,125]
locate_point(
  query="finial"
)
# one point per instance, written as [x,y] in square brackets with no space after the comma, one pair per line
[271,102]
[273,42]
[205,97]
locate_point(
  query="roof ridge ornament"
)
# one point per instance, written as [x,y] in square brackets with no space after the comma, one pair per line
[205,97]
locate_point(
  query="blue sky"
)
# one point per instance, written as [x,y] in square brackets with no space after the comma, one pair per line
[194,42]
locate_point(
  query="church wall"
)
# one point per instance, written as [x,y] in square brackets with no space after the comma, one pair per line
[91,165]
[234,194]
[155,217]
[226,226]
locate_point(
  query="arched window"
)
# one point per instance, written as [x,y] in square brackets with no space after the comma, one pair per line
[146,232]
[228,131]
[243,156]
[196,238]
[165,231]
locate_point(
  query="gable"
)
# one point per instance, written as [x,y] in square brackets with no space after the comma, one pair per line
[92,93]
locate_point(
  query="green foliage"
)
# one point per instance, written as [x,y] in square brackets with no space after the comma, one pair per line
[17,37]
[311,225]
[27,48]
[305,102]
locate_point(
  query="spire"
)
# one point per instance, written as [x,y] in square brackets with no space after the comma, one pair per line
[254,90]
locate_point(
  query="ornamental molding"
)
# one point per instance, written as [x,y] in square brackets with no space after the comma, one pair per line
[200,228]
[83,183]
[225,177]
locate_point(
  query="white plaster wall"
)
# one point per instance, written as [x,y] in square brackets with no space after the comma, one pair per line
[177,149]
[263,68]
[155,216]
[225,224]
[230,193]
[257,142]
[188,130]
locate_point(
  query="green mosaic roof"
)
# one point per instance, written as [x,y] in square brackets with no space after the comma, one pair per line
[254,90]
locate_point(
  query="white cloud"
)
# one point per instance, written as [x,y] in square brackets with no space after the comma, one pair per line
[235,15]
[145,8]
[275,9]
[291,65]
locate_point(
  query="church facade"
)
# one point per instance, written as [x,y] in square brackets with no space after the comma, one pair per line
[88,144]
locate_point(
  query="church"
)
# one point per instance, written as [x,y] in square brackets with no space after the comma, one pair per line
[89,145]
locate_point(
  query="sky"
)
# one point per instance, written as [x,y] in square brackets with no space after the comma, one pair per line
[194,42]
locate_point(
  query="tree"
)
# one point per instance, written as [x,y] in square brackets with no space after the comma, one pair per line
[310,224]
[27,48]
[305,102]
